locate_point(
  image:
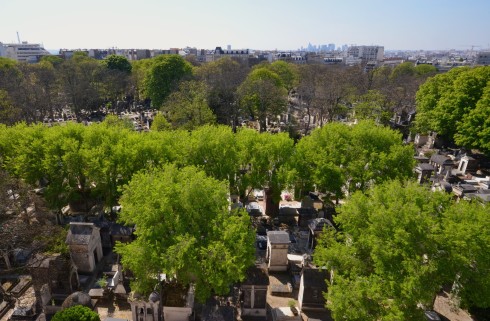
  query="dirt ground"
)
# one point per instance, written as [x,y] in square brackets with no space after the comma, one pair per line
[113,309]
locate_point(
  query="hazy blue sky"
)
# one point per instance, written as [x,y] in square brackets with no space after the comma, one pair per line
[253,24]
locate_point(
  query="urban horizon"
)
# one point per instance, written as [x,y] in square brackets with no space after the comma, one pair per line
[281,25]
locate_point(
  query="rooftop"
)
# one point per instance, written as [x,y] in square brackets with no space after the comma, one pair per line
[278,237]
[80,233]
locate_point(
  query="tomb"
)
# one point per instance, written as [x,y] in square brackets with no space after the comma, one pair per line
[312,286]
[254,291]
[277,250]
[85,246]
[424,172]
[55,270]
[442,164]
[178,302]
[146,310]
[467,163]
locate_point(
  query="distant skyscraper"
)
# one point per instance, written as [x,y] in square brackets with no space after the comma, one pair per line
[228,47]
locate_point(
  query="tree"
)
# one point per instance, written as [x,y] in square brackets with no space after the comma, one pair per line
[163,77]
[55,61]
[116,78]
[263,94]
[332,90]
[474,129]
[80,79]
[76,313]
[39,89]
[339,157]
[398,245]
[222,78]
[325,91]
[119,63]
[160,123]
[444,100]
[10,81]
[398,86]
[425,69]
[287,72]
[306,92]
[373,105]
[8,113]
[466,239]
[187,108]
[403,69]
[262,157]
[139,71]
[109,165]
[65,165]
[212,148]
[184,229]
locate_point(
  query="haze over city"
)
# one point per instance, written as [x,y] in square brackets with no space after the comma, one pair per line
[253,24]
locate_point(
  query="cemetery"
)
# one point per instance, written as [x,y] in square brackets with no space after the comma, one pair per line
[91,274]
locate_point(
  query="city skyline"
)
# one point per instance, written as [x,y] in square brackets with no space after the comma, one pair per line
[253,24]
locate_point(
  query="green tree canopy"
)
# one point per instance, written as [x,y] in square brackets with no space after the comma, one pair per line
[445,103]
[184,229]
[398,245]
[188,108]
[340,157]
[53,60]
[403,69]
[140,69]
[212,148]
[262,156]
[424,69]
[160,123]
[163,77]
[116,62]
[222,78]
[76,313]
[80,79]
[474,129]
[288,73]
[7,63]
[9,114]
[116,78]
[373,105]
[263,95]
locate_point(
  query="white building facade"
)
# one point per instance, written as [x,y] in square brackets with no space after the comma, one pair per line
[365,53]
[23,52]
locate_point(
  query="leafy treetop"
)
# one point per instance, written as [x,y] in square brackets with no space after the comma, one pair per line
[184,229]
[116,62]
[399,244]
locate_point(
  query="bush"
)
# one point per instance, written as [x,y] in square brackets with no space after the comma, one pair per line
[76,313]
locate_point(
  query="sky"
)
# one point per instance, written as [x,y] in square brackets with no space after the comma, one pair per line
[250,24]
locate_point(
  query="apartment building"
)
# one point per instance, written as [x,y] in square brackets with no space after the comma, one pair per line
[364,54]
[218,53]
[483,58]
